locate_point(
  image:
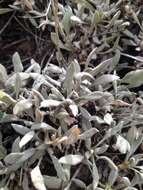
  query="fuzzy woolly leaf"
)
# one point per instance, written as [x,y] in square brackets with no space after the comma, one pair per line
[20,129]
[18,67]
[13,157]
[50,103]
[22,106]
[71,159]
[37,179]
[105,79]
[4,97]
[3,73]
[134,78]
[26,138]
[122,145]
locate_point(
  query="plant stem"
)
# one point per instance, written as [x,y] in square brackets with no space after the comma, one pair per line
[55,12]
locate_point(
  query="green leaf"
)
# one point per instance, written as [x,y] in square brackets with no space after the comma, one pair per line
[134,78]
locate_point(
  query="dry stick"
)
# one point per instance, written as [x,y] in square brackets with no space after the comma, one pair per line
[34,35]
[50,58]
[74,176]
[21,177]
[48,9]
[57,26]
[5,26]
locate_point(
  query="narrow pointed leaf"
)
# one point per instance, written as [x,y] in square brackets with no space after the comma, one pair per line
[37,179]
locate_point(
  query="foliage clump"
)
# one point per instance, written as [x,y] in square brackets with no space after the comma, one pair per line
[75,122]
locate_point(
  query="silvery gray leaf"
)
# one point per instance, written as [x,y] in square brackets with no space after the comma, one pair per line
[95,175]
[22,106]
[130,188]
[26,155]
[132,134]
[76,19]
[18,67]
[68,82]
[50,103]
[74,109]
[86,124]
[137,179]
[37,179]
[15,145]
[25,184]
[52,182]
[134,78]
[114,170]
[58,94]
[58,167]
[101,149]
[51,68]
[79,183]
[42,125]
[13,158]
[66,19]
[122,145]
[52,81]
[108,118]
[59,43]
[4,188]
[90,97]
[3,74]
[24,79]
[135,145]
[88,133]
[35,67]
[101,67]
[83,75]
[18,84]
[71,159]
[26,138]
[126,181]
[105,79]
[20,129]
